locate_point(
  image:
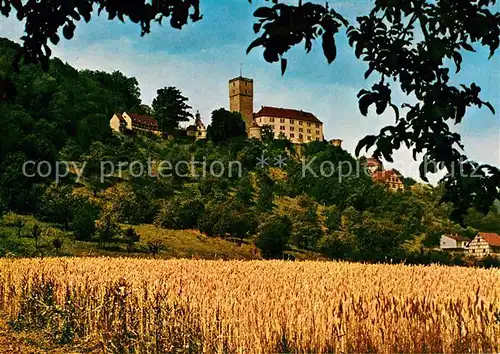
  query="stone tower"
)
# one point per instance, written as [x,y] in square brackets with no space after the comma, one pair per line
[241,98]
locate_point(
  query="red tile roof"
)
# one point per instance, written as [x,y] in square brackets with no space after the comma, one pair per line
[491,238]
[140,119]
[383,175]
[266,111]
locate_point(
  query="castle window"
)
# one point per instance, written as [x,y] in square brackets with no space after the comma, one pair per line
[292,129]
[317,125]
[282,127]
[292,121]
[301,136]
[309,131]
[271,120]
[292,135]
[317,139]
[301,130]
[309,138]
[300,122]
[317,132]
[308,124]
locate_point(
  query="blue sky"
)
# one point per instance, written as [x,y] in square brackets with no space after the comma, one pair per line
[202,57]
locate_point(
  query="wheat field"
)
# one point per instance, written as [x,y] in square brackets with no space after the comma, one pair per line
[195,306]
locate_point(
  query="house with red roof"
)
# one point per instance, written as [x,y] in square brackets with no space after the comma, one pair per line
[390,178]
[134,122]
[484,243]
[453,243]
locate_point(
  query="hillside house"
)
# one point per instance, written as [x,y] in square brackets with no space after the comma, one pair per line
[453,243]
[390,178]
[134,122]
[373,165]
[484,243]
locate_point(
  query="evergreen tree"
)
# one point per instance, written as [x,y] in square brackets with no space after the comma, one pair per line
[170,108]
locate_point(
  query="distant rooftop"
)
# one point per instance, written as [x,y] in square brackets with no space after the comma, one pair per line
[492,238]
[241,78]
[275,112]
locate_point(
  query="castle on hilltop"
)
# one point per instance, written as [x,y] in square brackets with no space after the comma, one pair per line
[298,126]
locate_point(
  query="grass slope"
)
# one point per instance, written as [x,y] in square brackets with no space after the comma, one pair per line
[17,241]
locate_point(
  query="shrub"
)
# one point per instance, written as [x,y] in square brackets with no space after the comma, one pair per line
[131,236]
[56,204]
[107,228]
[273,236]
[155,245]
[83,222]
[180,214]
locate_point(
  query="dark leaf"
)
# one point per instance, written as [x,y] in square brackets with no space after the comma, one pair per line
[460,112]
[369,72]
[423,170]
[490,106]
[54,39]
[257,42]
[270,55]
[68,30]
[264,12]
[364,103]
[329,48]
[381,106]
[457,58]
[17,4]
[283,66]
[467,46]
[367,142]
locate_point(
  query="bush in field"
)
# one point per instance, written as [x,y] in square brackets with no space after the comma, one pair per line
[107,228]
[179,213]
[57,243]
[13,220]
[56,204]
[273,235]
[130,236]
[83,222]
[36,232]
[335,246]
[333,218]
[155,245]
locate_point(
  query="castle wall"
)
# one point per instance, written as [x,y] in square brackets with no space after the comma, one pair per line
[298,131]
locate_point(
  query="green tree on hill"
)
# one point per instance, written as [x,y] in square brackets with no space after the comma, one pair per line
[84,219]
[170,108]
[273,235]
[225,125]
